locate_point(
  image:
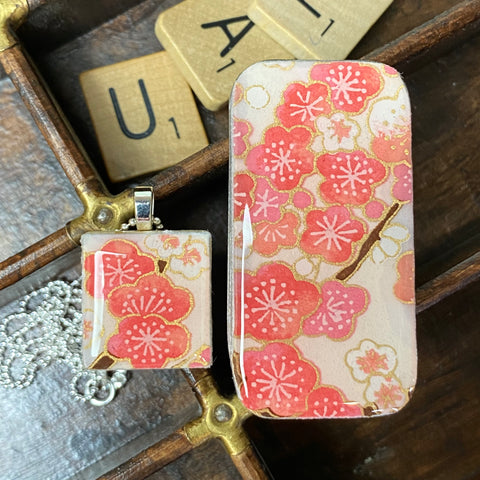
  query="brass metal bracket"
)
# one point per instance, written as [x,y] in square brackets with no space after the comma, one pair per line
[222,418]
[12,14]
[103,212]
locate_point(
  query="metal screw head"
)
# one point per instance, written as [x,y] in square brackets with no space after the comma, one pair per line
[223,413]
[104,216]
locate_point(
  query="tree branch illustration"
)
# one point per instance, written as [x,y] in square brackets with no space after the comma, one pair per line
[368,244]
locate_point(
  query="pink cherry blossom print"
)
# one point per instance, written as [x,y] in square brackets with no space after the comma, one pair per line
[338,132]
[331,233]
[326,402]
[352,85]
[349,177]
[337,314]
[170,241]
[302,200]
[148,342]
[283,158]
[152,294]
[275,303]
[371,359]
[277,379]
[237,96]
[303,104]
[242,187]
[374,209]
[405,287]
[394,146]
[117,263]
[270,237]
[202,359]
[390,71]
[372,362]
[267,202]
[240,137]
[403,189]
[387,393]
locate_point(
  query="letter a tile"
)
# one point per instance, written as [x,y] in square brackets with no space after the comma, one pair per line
[317,29]
[212,42]
[144,115]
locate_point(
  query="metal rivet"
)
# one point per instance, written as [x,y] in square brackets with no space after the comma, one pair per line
[104,216]
[223,413]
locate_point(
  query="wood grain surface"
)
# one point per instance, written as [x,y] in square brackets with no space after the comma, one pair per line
[152,459]
[438,435]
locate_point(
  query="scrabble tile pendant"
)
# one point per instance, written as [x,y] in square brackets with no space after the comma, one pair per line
[146,300]
[321,280]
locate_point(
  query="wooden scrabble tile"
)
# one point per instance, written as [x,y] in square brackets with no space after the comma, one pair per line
[317,29]
[212,42]
[144,115]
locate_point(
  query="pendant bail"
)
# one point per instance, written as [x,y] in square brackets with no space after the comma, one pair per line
[143,198]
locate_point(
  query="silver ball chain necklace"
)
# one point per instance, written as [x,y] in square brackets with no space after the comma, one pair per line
[45,327]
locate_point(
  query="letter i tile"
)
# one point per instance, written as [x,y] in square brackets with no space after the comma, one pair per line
[144,115]
[146,300]
[317,29]
[321,279]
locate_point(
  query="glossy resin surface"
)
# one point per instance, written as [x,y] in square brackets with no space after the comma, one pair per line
[321,244]
[146,300]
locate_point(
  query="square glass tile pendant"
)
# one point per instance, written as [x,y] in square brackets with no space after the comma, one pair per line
[146,300]
[321,240]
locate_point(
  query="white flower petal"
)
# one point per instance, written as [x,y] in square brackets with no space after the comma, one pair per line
[390,247]
[398,232]
[377,255]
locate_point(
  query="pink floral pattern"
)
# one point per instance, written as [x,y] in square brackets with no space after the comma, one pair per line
[331,233]
[117,263]
[404,288]
[277,379]
[403,188]
[148,342]
[303,104]
[349,177]
[352,84]
[371,359]
[386,393]
[153,294]
[283,158]
[328,161]
[393,146]
[269,237]
[240,132]
[143,317]
[338,311]
[268,202]
[327,402]
[275,303]
[242,187]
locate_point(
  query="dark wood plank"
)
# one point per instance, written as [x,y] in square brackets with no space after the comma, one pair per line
[399,18]
[446,156]
[152,459]
[47,434]
[32,183]
[49,119]
[34,257]
[209,461]
[249,465]
[439,35]
[448,283]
